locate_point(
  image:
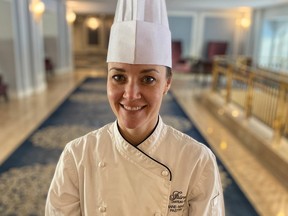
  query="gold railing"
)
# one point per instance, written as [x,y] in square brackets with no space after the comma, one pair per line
[259,93]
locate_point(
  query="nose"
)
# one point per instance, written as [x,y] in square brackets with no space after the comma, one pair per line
[132,91]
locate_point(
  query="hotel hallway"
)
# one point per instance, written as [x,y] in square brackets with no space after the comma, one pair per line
[19,117]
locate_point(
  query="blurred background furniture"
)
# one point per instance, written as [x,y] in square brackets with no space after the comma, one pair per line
[49,66]
[179,64]
[3,89]
[213,48]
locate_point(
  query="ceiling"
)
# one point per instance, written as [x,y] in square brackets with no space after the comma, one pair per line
[108,6]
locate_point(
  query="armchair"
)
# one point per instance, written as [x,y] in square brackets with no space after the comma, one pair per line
[49,66]
[213,48]
[178,63]
[3,89]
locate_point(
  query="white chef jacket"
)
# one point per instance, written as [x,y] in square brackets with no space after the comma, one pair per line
[168,174]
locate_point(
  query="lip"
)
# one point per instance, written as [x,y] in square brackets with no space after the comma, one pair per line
[132,108]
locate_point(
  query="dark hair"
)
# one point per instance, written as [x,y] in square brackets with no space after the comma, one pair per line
[168,72]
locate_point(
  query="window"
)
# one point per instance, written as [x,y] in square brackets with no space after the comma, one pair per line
[274,45]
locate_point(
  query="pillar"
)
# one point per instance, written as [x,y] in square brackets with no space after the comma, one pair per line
[29,71]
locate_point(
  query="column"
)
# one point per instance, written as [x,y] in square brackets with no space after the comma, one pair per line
[65,63]
[28,49]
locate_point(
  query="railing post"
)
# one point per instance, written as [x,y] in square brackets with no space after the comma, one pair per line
[229,73]
[279,121]
[215,75]
[249,96]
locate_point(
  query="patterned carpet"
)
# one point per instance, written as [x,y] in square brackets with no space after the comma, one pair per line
[26,175]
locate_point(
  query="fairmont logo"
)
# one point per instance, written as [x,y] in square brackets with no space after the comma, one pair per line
[177,201]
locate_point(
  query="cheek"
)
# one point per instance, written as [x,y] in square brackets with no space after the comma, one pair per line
[113,93]
[156,97]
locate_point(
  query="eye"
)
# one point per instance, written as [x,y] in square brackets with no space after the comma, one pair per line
[119,78]
[148,80]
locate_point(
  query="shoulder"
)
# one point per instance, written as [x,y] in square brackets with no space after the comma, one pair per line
[89,142]
[184,144]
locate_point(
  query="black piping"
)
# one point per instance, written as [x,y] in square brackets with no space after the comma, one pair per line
[157,162]
[144,152]
[150,133]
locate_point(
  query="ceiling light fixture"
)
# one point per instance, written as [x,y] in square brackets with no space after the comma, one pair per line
[93,23]
[37,7]
[70,16]
[245,22]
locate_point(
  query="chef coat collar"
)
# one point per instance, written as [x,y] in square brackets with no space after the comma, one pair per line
[142,140]
[150,143]
[142,155]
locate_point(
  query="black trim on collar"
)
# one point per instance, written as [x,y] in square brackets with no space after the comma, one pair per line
[150,133]
[136,146]
[156,162]
[142,140]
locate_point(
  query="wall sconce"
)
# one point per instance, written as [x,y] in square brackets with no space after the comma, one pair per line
[92,23]
[70,16]
[37,7]
[245,22]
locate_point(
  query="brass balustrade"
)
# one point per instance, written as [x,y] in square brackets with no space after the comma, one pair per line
[258,92]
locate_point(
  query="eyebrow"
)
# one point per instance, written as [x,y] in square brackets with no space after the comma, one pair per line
[149,70]
[117,69]
[142,71]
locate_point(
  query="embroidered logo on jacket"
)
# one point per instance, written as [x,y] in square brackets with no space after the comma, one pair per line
[177,201]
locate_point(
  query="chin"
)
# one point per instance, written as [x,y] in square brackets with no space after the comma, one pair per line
[131,125]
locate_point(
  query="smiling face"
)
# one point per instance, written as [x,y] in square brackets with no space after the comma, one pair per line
[135,95]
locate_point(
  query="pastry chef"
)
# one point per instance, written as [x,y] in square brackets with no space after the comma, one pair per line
[137,165]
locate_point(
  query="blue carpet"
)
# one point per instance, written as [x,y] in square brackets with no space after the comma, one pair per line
[26,175]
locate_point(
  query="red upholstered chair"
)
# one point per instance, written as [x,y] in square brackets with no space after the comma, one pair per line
[49,66]
[216,48]
[213,48]
[178,63]
[3,89]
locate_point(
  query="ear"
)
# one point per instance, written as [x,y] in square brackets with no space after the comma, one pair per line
[168,84]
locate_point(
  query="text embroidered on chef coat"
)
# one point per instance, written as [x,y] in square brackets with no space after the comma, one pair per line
[177,201]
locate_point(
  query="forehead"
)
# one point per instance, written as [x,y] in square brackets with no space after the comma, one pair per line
[135,67]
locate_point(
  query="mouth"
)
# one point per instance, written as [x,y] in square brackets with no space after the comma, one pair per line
[132,108]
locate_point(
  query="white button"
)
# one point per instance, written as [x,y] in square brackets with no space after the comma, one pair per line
[102,209]
[215,201]
[101,164]
[165,173]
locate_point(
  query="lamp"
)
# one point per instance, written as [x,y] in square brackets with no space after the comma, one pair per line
[70,16]
[37,7]
[92,23]
[245,22]
[244,19]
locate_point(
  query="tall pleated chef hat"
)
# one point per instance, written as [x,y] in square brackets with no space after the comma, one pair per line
[140,33]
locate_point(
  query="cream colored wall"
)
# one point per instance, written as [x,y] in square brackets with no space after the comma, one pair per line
[7,57]
[50,35]
[80,35]
[218,25]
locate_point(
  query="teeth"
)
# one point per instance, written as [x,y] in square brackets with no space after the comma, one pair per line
[132,108]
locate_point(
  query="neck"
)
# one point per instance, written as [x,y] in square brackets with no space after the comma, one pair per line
[136,136]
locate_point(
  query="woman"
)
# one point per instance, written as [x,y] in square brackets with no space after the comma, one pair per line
[137,165]
[135,93]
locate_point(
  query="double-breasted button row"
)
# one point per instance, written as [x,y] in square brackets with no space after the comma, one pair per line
[102,209]
[101,164]
[165,173]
